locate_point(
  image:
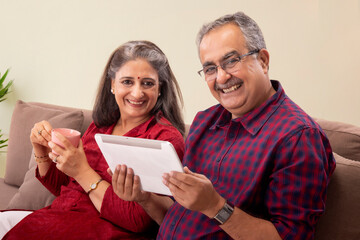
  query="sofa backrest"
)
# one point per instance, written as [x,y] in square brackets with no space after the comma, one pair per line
[341,219]
[344,138]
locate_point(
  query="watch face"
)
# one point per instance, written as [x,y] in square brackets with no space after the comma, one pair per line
[224,214]
[93,186]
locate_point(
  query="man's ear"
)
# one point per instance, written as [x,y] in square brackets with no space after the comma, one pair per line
[264,59]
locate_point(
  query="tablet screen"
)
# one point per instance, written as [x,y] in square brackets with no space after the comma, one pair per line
[149,158]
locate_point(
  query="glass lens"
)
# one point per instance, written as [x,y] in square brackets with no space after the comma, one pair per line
[209,70]
[230,64]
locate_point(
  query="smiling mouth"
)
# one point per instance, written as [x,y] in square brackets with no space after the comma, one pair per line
[230,89]
[135,102]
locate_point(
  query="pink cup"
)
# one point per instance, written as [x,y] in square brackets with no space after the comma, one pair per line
[72,135]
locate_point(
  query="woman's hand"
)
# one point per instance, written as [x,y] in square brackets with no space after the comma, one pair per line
[127,186]
[40,135]
[71,160]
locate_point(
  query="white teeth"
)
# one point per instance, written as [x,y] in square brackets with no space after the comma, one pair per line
[136,103]
[233,88]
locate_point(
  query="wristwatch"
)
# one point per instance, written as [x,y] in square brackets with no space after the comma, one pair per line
[94,185]
[224,214]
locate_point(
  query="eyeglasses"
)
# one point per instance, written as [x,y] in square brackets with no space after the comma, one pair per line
[230,65]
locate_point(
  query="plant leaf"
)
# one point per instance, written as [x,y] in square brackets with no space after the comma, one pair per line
[4,91]
[2,146]
[2,79]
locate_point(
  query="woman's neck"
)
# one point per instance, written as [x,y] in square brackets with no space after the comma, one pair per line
[124,125]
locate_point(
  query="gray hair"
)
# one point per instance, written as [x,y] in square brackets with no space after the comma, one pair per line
[253,36]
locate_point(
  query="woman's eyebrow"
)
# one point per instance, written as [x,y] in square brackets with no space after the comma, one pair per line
[148,78]
[126,77]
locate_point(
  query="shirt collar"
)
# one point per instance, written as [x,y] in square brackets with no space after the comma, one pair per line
[254,120]
[223,119]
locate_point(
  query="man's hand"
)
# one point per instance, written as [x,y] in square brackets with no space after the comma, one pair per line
[194,191]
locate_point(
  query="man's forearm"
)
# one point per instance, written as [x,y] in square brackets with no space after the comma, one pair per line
[244,226]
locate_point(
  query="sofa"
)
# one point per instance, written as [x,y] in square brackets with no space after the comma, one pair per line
[21,190]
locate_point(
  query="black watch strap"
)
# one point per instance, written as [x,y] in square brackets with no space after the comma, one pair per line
[224,214]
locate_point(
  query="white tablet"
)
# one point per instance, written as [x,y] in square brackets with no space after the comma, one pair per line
[148,158]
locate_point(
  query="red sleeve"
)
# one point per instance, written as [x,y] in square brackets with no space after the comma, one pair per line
[297,188]
[53,179]
[126,214]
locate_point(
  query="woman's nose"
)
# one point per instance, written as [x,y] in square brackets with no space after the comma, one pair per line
[137,92]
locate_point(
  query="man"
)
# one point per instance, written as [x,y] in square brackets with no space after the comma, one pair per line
[257,166]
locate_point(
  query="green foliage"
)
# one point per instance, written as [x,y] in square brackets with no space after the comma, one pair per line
[4,90]
[2,142]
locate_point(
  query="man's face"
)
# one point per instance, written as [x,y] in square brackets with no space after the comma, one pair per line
[246,88]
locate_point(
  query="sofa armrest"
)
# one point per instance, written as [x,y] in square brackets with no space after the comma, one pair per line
[7,193]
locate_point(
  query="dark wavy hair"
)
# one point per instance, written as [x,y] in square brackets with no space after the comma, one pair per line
[106,111]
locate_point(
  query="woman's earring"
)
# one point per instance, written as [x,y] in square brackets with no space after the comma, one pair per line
[159,94]
[112,91]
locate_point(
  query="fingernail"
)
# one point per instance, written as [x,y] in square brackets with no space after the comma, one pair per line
[164,182]
[51,144]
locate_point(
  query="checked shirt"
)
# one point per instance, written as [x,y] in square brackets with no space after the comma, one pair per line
[274,163]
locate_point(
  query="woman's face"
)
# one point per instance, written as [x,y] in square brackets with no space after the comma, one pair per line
[136,89]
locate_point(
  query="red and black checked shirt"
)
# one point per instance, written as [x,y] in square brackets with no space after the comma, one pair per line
[275,163]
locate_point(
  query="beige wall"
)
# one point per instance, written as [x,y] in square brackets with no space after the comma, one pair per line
[57,49]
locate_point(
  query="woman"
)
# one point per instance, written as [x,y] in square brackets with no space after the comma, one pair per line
[135,98]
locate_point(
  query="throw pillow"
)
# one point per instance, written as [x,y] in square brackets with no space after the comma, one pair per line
[24,116]
[32,194]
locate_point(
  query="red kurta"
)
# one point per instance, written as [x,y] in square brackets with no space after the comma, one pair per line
[72,215]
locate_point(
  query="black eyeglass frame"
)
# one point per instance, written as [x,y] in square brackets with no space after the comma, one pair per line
[222,64]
